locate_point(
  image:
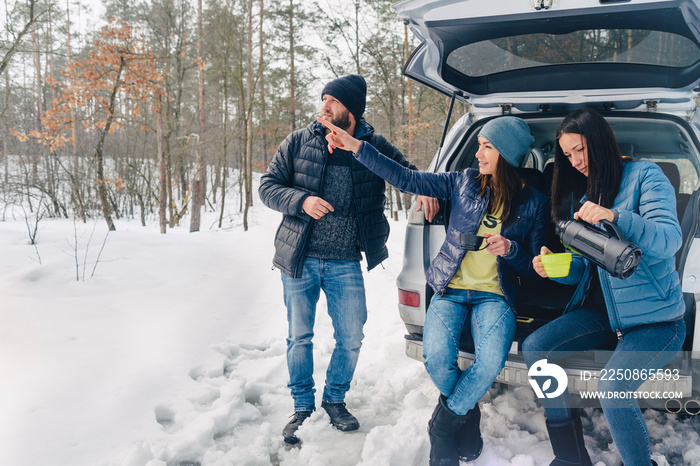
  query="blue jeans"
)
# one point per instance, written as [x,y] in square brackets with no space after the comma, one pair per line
[342,283]
[649,347]
[492,324]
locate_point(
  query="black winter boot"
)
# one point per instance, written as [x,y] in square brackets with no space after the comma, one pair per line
[567,443]
[341,417]
[443,429]
[290,430]
[469,441]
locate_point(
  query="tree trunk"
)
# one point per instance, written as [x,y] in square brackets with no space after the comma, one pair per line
[249,119]
[38,88]
[162,168]
[224,155]
[50,61]
[39,102]
[101,188]
[15,44]
[357,36]
[199,188]
[263,108]
[197,196]
[78,204]
[292,76]
[389,189]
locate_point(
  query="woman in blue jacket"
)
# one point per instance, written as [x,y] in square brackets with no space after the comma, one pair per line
[641,316]
[474,285]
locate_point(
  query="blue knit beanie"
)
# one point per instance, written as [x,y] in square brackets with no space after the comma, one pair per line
[510,136]
[351,91]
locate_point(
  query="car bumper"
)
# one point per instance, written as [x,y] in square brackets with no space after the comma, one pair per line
[515,373]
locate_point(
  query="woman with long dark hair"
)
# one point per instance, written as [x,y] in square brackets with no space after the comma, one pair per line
[640,316]
[496,225]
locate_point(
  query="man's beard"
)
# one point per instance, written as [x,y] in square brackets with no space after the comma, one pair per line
[342,121]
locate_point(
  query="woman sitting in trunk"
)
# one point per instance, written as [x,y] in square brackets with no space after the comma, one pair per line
[497,224]
[640,316]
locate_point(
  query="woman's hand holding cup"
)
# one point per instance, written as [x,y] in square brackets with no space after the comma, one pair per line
[537,262]
[550,265]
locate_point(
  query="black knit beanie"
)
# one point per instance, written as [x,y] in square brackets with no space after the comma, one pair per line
[351,91]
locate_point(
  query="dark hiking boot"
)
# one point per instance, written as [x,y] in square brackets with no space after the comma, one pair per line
[469,441]
[567,443]
[290,430]
[341,417]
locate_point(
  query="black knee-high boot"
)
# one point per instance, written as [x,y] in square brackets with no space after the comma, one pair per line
[444,428]
[567,443]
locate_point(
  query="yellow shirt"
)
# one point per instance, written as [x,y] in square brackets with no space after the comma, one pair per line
[478,268]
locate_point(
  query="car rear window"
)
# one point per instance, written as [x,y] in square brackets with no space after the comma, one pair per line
[686,171]
[585,46]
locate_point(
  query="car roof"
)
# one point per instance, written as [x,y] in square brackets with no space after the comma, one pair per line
[507,48]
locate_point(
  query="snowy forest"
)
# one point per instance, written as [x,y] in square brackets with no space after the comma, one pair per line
[155,109]
[121,345]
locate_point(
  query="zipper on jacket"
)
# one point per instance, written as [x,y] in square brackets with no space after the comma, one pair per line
[612,308]
[585,286]
[363,244]
[302,255]
[461,256]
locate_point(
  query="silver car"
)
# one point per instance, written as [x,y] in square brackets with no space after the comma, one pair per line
[635,62]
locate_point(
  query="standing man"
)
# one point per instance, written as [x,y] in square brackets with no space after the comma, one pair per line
[333,209]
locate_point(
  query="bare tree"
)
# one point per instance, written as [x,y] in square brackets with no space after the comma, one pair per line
[292,70]
[199,183]
[18,38]
[162,167]
[119,67]
[263,107]
[248,171]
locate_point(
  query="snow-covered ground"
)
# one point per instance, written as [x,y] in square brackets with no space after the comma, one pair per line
[173,353]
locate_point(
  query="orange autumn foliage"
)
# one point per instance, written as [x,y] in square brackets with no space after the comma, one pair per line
[119,63]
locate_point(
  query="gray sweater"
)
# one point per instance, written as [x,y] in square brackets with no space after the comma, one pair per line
[335,236]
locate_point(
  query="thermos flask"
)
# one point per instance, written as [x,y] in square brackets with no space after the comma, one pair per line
[607,249]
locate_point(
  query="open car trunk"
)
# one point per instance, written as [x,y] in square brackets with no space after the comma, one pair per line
[665,140]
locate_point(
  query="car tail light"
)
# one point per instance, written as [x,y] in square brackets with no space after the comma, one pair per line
[409,298]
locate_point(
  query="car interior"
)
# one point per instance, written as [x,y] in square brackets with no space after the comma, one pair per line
[661,139]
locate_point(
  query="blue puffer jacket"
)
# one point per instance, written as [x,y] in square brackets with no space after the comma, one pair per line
[527,232]
[297,171]
[646,204]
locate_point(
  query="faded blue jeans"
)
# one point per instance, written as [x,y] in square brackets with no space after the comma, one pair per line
[649,347]
[343,285]
[492,324]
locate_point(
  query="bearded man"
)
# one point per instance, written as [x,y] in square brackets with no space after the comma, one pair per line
[333,211]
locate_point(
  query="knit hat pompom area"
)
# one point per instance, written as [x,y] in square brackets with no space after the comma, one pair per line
[351,91]
[510,136]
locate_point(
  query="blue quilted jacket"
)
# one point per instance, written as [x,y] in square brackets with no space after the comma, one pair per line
[646,204]
[527,232]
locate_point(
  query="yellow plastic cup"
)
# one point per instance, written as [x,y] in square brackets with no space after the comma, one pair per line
[556,265]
